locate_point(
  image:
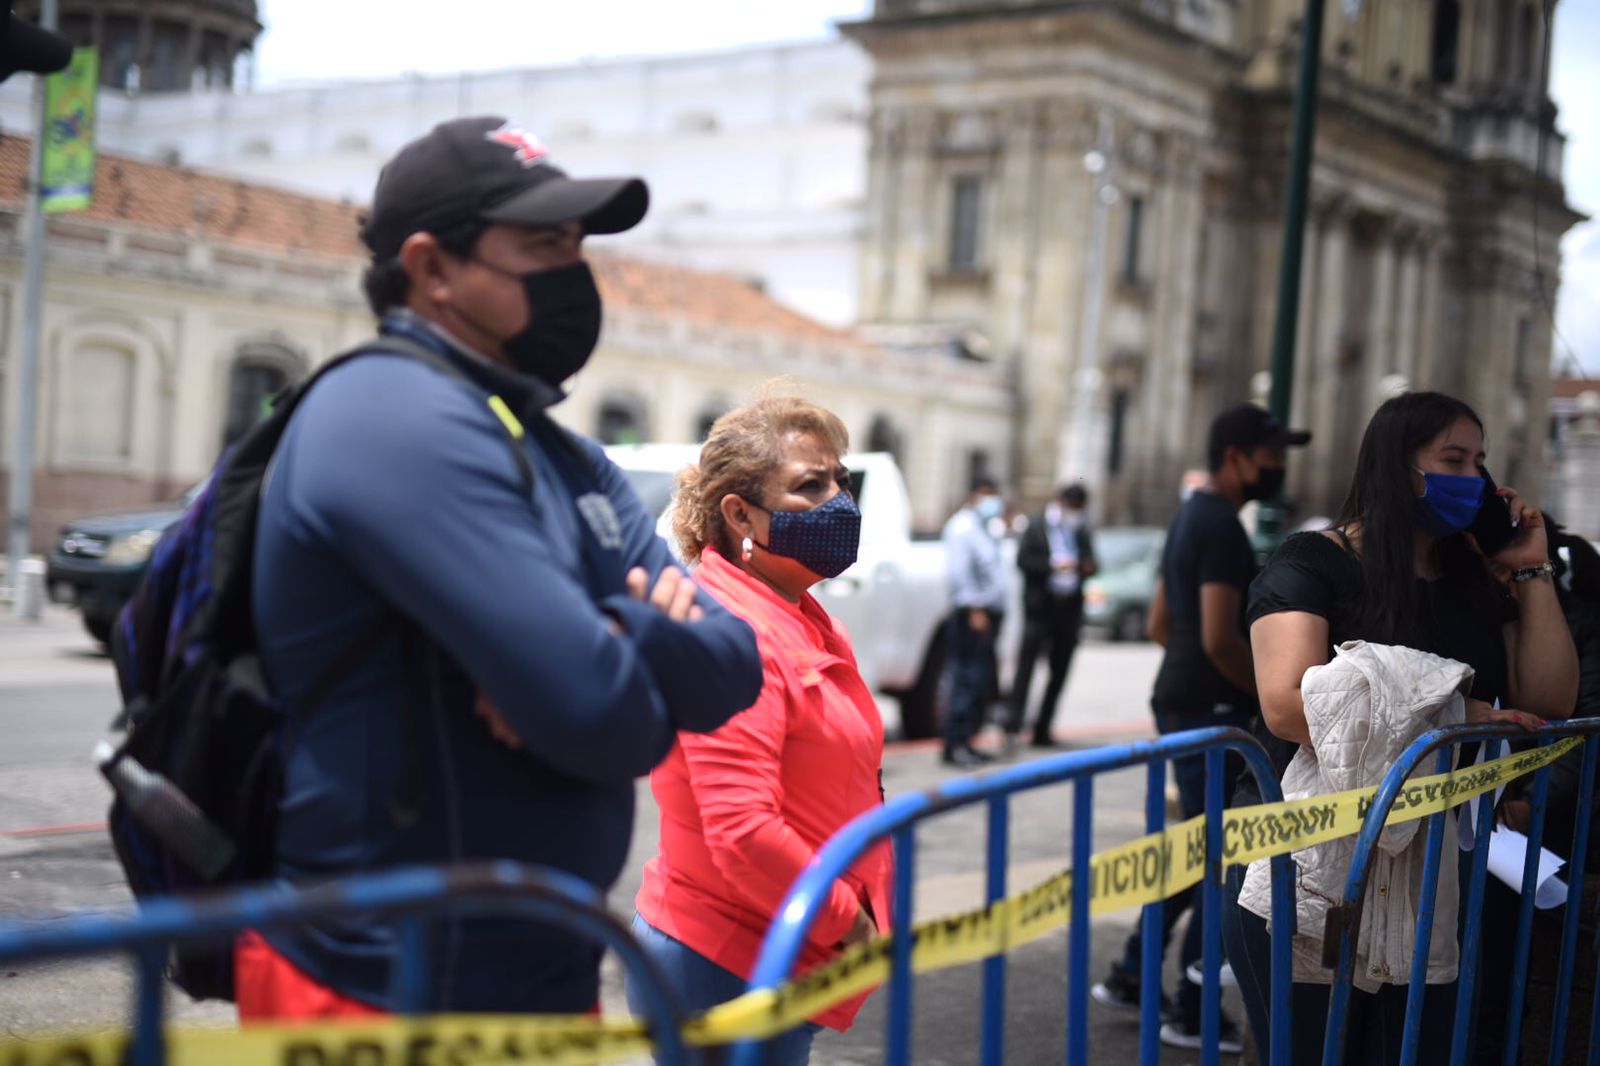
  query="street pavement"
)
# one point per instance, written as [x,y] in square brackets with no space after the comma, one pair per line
[58,694]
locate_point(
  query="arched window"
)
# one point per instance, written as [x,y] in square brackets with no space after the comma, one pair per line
[709,413]
[883,436]
[622,419]
[259,373]
[98,411]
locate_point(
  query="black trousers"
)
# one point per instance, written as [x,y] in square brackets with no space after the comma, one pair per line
[1052,628]
[1376,1020]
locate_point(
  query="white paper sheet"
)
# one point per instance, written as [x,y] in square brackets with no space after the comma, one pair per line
[1508,850]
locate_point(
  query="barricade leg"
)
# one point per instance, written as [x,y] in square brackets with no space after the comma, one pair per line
[149,1040]
[1078,933]
[1424,938]
[1211,912]
[1472,940]
[1569,927]
[1530,884]
[994,967]
[898,1052]
[410,978]
[1150,939]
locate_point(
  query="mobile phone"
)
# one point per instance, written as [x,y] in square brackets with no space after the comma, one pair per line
[1492,529]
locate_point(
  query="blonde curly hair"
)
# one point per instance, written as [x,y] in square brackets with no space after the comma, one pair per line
[741,450]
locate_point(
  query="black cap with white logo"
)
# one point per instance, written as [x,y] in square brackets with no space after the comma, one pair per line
[486,168]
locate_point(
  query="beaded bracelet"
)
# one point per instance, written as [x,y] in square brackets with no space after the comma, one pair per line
[1528,573]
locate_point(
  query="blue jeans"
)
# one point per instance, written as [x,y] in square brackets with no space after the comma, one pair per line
[701,983]
[971,668]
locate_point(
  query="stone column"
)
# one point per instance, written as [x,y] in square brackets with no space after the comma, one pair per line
[191,51]
[1327,338]
[876,266]
[1427,373]
[1408,293]
[1013,241]
[142,54]
[1062,220]
[1380,346]
[911,251]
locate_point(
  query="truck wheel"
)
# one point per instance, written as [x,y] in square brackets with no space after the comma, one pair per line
[99,627]
[919,705]
[1130,626]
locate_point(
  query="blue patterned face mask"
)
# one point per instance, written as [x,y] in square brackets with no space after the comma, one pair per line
[824,539]
[1449,502]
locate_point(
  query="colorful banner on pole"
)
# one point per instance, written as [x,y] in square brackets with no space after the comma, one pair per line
[69,116]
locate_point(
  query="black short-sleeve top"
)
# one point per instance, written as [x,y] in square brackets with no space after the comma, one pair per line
[1461,620]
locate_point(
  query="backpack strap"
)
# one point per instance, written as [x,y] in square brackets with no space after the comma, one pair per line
[396,344]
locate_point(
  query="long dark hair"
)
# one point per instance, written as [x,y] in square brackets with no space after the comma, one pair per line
[1383,503]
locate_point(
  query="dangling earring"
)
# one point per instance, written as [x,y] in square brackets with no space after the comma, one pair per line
[745,548]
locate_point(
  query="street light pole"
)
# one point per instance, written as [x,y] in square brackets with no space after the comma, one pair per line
[20,501]
[1294,228]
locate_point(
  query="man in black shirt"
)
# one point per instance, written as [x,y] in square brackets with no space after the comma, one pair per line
[1206,675]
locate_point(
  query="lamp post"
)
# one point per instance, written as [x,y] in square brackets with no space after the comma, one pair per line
[1298,183]
[20,490]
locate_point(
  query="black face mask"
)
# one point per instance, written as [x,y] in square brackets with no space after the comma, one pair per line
[563,322]
[1267,485]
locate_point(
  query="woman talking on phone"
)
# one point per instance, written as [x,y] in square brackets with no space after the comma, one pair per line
[1407,563]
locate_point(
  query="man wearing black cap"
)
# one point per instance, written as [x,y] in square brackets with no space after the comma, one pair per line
[1206,676]
[533,647]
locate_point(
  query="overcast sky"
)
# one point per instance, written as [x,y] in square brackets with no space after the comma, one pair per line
[324,39]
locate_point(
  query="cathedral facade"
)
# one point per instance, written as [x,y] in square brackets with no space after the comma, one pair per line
[1091,195]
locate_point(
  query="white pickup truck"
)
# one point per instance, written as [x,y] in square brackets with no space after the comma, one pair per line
[894,600]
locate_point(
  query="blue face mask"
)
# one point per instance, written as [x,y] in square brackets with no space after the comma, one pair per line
[1449,502]
[989,507]
[824,539]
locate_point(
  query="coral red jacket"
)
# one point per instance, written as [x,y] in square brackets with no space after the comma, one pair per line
[746,808]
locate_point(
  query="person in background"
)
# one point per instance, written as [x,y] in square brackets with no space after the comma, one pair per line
[1056,556]
[767,514]
[978,598]
[1206,676]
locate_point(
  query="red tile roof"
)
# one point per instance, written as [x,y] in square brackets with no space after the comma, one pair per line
[1571,387]
[181,200]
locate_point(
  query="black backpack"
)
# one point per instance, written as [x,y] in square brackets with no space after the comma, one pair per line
[198,777]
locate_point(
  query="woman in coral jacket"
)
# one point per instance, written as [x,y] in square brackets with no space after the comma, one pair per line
[767,513]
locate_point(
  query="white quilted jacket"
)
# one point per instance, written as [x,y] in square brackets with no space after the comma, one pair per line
[1363,709]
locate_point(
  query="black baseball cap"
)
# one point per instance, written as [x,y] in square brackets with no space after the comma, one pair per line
[1249,426]
[489,169]
[26,47]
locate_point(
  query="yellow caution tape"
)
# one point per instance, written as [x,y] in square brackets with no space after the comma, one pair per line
[1151,868]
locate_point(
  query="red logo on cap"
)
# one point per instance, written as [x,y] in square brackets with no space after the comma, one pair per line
[529,149]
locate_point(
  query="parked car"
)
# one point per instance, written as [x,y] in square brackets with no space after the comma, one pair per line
[1117,599]
[96,563]
[894,600]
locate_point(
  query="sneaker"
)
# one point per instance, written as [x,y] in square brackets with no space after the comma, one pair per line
[1225,976]
[1185,1033]
[1120,992]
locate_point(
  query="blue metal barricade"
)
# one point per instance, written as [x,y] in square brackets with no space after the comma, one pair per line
[412,894]
[1441,744]
[897,820]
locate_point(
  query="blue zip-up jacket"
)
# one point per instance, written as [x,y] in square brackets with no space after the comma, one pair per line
[395,490]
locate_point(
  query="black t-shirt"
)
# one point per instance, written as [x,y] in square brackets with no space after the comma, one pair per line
[1206,544]
[1461,618]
